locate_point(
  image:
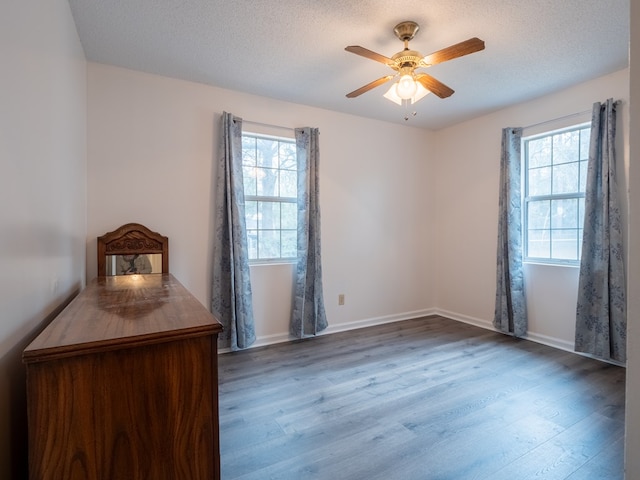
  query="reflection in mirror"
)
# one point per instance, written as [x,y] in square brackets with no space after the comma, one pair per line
[131,264]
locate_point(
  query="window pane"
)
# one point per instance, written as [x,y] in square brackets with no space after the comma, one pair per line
[248,151]
[584,165]
[539,152]
[565,178]
[249,180]
[267,153]
[288,183]
[564,244]
[539,214]
[252,242]
[580,235]
[580,212]
[268,215]
[251,215]
[289,244]
[267,182]
[585,137]
[540,181]
[566,147]
[539,244]
[269,244]
[248,142]
[288,158]
[289,219]
[565,213]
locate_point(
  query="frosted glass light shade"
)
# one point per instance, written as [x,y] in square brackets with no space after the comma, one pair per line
[392,94]
[406,87]
[421,92]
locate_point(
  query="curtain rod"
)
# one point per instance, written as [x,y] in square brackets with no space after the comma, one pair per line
[556,119]
[260,124]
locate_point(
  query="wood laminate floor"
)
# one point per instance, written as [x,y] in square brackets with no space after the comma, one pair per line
[422,399]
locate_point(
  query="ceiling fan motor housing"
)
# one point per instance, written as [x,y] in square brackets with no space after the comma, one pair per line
[407,59]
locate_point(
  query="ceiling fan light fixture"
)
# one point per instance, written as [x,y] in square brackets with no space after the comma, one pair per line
[406,87]
[392,94]
[421,92]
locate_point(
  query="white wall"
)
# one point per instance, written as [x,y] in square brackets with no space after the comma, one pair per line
[42,192]
[467,211]
[153,142]
[632,459]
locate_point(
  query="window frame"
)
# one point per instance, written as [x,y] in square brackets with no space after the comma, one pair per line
[528,199]
[271,199]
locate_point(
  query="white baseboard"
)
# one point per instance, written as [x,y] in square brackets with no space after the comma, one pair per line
[370,322]
[531,336]
[534,337]
[551,341]
[265,340]
[478,322]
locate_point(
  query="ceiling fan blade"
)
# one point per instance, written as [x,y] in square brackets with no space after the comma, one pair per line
[358,50]
[454,51]
[369,86]
[433,85]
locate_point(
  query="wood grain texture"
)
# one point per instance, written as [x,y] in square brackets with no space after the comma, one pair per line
[123,310]
[145,411]
[138,400]
[422,399]
[454,51]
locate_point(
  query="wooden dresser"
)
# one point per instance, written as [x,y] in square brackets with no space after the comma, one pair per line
[123,384]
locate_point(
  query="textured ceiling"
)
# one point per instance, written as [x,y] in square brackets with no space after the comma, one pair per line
[293,50]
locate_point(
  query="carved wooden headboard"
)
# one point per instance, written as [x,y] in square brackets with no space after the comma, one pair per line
[130,239]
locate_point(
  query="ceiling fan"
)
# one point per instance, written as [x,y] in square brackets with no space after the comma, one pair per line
[411,85]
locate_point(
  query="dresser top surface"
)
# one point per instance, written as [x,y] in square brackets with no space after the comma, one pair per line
[119,311]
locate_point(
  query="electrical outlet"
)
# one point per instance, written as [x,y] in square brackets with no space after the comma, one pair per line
[341,299]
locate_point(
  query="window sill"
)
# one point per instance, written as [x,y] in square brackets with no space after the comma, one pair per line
[270,263]
[542,263]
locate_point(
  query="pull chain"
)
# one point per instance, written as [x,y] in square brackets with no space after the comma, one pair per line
[408,114]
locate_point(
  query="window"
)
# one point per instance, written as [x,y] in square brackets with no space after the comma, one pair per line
[270,174]
[555,176]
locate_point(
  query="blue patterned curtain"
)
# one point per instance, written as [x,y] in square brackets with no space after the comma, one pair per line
[601,314]
[308,316]
[231,300]
[511,310]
